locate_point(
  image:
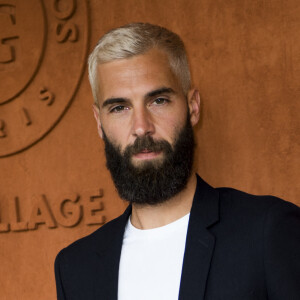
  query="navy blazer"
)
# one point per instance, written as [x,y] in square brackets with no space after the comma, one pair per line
[238,246]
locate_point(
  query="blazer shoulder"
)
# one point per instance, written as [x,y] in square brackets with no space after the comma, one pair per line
[97,239]
[243,198]
[250,207]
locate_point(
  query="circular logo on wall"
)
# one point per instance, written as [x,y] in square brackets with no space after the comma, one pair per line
[43,49]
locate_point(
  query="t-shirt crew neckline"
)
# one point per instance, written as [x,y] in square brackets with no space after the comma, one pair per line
[156,232]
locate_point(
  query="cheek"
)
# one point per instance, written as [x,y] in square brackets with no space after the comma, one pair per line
[116,134]
[169,127]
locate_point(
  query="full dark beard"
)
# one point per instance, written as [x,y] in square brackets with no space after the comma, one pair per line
[153,181]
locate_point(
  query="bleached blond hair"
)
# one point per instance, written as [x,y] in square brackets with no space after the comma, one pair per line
[138,38]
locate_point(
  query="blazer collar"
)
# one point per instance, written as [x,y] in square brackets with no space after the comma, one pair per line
[108,248]
[200,242]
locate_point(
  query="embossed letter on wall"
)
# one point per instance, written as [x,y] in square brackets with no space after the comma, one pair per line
[43,47]
[65,212]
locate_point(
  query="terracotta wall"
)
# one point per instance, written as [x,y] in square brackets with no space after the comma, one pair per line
[54,188]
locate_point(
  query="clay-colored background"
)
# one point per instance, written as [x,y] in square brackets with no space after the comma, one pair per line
[245,58]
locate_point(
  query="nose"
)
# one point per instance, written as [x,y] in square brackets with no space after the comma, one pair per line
[142,123]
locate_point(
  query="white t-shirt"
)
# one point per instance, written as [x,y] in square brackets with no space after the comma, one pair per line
[151,261]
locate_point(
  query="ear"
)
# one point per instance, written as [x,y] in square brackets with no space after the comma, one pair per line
[97,117]
[194,105]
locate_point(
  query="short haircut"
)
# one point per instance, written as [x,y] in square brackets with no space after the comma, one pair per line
[138,38]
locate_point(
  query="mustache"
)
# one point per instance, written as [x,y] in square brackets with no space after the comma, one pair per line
[147,142]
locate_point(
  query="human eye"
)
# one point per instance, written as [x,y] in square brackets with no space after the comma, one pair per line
[118,109]
[161,101]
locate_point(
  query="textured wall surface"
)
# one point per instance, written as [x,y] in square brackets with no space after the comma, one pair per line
[54,188]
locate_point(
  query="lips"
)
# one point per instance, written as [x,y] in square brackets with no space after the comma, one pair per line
[147,154]
[146,151]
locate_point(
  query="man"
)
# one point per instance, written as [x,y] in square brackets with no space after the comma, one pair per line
[179,238]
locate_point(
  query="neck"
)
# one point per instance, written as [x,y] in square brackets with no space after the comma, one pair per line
[152,216]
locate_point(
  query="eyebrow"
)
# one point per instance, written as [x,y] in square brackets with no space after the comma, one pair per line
[114,101]
[162,90]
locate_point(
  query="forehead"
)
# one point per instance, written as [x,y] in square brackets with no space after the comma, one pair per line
[136,75]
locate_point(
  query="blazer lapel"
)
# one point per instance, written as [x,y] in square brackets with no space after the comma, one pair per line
[199,243]
[109,253]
